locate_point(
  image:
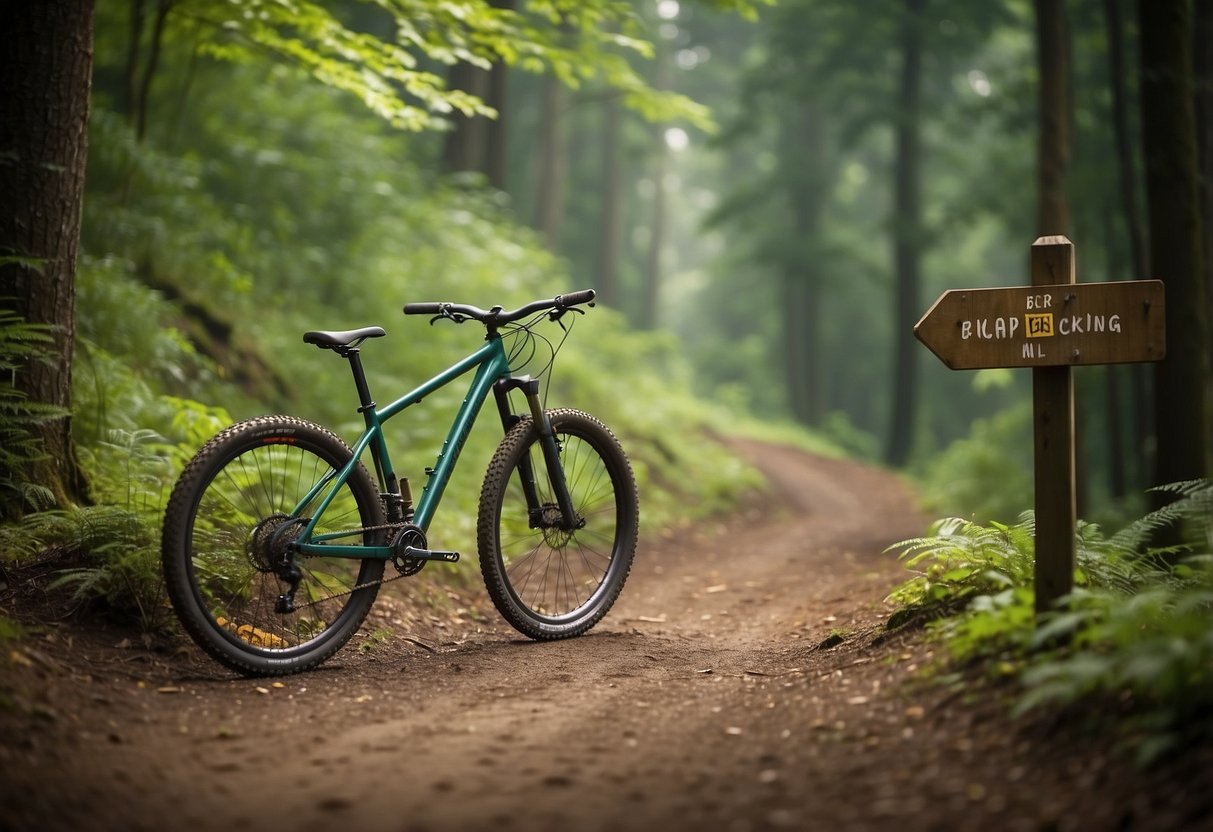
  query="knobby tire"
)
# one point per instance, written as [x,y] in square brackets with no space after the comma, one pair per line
[550,583]
[219,538]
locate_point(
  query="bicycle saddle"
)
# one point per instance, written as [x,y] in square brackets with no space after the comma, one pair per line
[342,339]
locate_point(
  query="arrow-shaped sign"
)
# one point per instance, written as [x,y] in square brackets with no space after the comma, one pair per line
[1044,326]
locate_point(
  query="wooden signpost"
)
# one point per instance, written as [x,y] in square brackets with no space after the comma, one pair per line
[1050,326]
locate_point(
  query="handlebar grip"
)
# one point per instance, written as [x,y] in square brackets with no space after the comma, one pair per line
[575,298]
[423,308]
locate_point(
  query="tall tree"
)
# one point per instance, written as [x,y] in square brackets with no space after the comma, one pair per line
[907,236]
[1117,73]
[611,233]
[47,66]
[1168,139]
[1202,65]
[1053,155]
[1134,222]
[496,156]
[803,172]
[550,161]
[463,146]
[653,276]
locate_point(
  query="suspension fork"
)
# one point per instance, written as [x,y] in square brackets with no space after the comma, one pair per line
[551,452]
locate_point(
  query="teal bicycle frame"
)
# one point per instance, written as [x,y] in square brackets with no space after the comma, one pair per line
[491,365]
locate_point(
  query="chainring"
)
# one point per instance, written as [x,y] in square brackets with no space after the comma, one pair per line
[409,535]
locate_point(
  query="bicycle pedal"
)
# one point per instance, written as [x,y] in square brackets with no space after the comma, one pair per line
[429,554]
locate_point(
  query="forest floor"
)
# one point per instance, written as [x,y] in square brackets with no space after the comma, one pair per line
[744,681]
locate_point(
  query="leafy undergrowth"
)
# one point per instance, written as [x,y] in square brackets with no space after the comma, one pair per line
[1128,652]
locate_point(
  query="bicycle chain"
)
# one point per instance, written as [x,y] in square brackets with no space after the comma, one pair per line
[352,590]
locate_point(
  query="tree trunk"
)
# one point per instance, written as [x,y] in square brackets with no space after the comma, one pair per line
[1114,376]
[47,66]
[1139,254]
[463,147]
[149,69]
[550,162]
[652,272]
[1124,144]
[130,76]
[1202,64]
[803,162]
[907,238]
[1168,132]
[1053,154]
[496,131]
[1053,159]
[610,238]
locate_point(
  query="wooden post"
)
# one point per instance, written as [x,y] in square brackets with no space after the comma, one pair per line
[1053,431]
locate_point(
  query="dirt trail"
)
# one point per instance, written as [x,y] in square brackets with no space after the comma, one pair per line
[739,684]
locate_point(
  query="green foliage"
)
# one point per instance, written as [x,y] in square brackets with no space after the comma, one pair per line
[1132,645]
[393,62]
[986,475]
[1148,655]
[112,554]
[132,441]
[20,343]
[961,560]
[110,551]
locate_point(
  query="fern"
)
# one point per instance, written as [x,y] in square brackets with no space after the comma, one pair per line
[1132,645]
[21,343]
[963,559]
[115,552]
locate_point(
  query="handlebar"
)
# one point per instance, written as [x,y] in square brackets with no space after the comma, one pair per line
[497,316]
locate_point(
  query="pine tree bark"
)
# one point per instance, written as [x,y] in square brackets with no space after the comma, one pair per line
[907,239]
[46,65]
[1168,133]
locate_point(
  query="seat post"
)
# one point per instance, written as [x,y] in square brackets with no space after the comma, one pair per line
[364,393]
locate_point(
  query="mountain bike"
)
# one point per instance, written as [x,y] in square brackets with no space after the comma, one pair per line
[276,536]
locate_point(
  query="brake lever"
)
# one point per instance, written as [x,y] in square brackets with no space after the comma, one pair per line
[447,314]
[556,314]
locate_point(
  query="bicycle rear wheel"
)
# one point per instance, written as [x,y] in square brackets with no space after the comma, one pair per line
[231,518]
[548,582]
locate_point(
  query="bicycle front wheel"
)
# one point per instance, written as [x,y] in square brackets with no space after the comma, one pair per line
[230,522]
[546,581]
